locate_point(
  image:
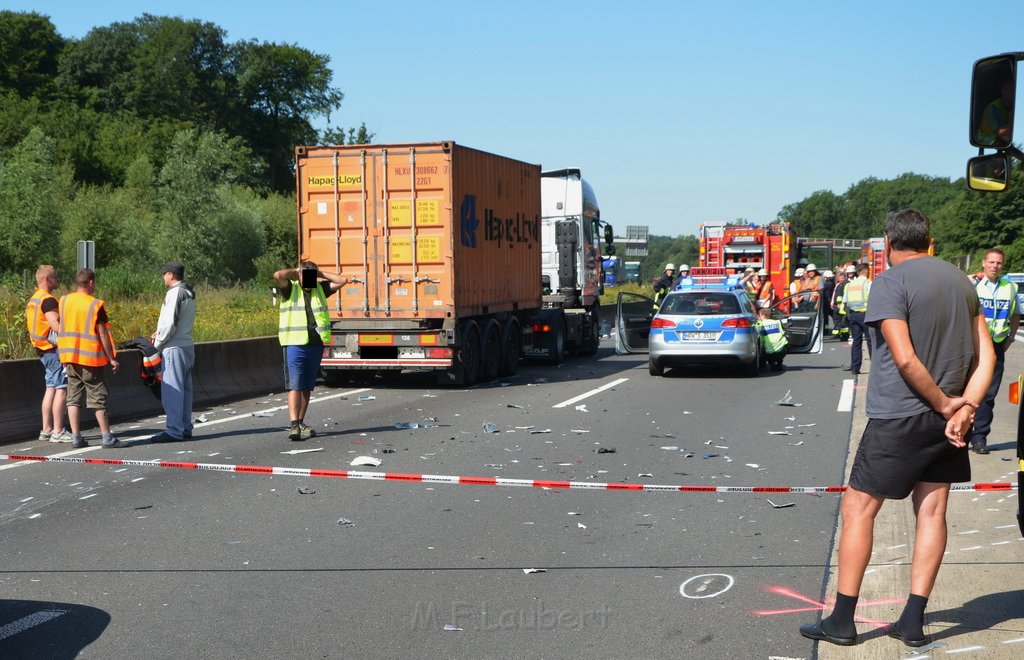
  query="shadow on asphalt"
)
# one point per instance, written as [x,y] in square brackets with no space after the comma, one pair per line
[40,629]
[981,613]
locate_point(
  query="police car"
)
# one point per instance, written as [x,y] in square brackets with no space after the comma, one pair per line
[708,318]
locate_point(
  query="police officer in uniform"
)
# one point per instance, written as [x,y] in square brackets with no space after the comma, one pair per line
[998,298]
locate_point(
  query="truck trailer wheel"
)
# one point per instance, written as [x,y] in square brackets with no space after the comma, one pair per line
[490,353]
[511,347]
[468,367]
[592,335]
[558,342]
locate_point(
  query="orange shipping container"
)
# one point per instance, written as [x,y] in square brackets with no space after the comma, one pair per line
[427,233]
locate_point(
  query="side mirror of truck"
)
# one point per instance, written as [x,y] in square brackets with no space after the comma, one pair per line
[989,173]
[609,235]
[993,93]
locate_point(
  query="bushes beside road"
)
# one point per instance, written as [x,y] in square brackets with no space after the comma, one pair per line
[223,313]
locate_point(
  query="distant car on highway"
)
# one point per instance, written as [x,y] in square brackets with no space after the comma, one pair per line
[709,319]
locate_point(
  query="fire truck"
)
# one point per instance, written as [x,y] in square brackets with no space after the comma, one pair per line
[872,253]
[772,247]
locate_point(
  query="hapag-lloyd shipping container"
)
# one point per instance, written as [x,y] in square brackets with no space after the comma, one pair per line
[441,244]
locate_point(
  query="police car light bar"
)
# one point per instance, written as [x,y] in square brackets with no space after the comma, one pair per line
[708,271]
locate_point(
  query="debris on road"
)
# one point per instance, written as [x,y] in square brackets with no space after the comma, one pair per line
[536,431]
[605,450]
[779,433]
[781,506]
[491,427]
[306,491]
[263,413]
[787,400]
[406,425]
[345,522]
[449,627]
[302,451]
[366,460]
[534,570]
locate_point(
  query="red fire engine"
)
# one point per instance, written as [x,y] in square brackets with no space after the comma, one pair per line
[872,253]
[737,247]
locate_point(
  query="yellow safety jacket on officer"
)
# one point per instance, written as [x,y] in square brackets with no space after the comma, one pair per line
[293,324]
[773,337]
[79,341]
[43,337]
[999,306]
[856,294]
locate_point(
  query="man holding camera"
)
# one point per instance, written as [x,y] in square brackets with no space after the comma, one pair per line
[304,327]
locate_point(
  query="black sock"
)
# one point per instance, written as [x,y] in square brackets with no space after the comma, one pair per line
[911,623]
[296,422]
[840,622]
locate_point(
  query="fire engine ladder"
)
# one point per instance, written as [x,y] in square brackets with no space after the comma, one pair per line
[713,248]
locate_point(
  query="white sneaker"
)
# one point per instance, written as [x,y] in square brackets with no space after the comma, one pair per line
[43,436]
[63,436]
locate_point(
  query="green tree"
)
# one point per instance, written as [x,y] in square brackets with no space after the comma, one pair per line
[278,217]
[116,221]
[666,249]
[197,217]
[155,66]
[99,68]
[341,136]
[816,216]
[281,89]
[34,187]
[29,52]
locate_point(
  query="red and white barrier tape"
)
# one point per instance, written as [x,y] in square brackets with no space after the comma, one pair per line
[465,481]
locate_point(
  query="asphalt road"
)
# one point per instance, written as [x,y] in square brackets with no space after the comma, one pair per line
[105,561]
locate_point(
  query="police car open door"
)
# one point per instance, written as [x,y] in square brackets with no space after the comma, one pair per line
[633,314]
[803,318]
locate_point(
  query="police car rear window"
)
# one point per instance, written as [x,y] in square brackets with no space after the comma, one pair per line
[700,303]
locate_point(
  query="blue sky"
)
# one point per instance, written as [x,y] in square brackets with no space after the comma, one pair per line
[678,113]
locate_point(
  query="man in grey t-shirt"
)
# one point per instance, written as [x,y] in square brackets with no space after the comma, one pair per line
[933,362]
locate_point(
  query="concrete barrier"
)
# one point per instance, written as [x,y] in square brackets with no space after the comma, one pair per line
[224,370]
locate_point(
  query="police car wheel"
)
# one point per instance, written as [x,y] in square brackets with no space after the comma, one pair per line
[655,368]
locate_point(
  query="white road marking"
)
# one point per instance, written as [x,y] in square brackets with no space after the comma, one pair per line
[590,393]
[30,621]
[703,586]
[846,396]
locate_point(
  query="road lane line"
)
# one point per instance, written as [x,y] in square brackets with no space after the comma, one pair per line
[590,393]
[30,621]
[846,396]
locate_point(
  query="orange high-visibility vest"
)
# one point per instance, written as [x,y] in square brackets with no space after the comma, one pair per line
[812,284]
[79,341]
[38,327]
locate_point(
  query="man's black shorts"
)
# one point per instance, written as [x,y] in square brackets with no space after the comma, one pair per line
[895,454]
